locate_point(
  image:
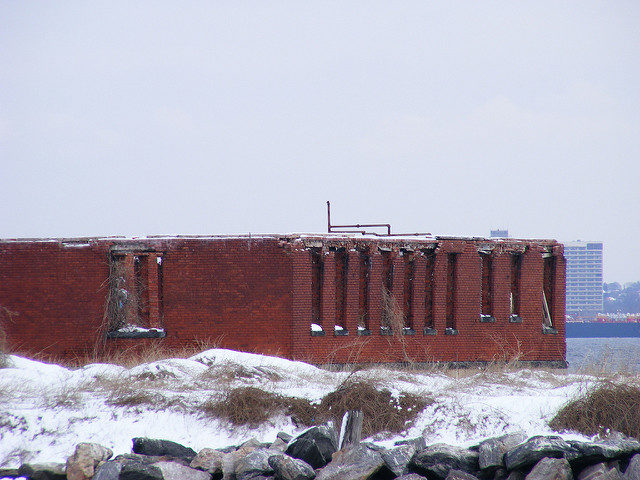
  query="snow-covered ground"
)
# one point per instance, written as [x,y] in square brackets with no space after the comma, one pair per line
[46,409]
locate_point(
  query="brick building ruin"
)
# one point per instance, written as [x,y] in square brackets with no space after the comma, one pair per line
[325,298]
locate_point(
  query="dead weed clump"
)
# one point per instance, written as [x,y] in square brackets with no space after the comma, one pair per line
[606,407]
[382,411]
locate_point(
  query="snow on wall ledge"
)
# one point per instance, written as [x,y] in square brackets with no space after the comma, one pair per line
[331,298]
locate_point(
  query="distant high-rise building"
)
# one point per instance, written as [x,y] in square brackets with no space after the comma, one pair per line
[584,278]
[500,233]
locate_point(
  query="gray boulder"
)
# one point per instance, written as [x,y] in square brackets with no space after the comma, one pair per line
[255,464]
[209,460]
[87,456]
[43,471]
[155,447]
[108,471]
[592,472]
[288,468]
[460,475]
[314,446]
[175,471]
[633,469]
[140,471]
[357,463]
[439,459]
[535,449]
[491,451]
[551,469]
[411,476]
[418,442]
[397,458]
[231,460]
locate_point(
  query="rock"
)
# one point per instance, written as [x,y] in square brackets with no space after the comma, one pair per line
[500,474]
[515,475]
[614,446]
[593,472]
[397,459]
[87,456]
[314,446]
[108,471]
[419,442]
[460,475]
[154,447]
[357,463]
[175,471]
[437,460]
[148,459]
[551,469]
[491,451]
[255,464]
[209,460]
[288,468]
[279,445]
[140,471]
[230,461]
[43,471]
[411,476]
[633,470]
[535,449]
[285,437]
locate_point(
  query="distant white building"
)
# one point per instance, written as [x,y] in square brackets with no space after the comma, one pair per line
[584,278]
[499,233]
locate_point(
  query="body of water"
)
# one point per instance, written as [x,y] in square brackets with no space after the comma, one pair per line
[603,354]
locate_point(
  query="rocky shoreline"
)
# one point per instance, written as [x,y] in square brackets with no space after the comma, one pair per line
[314,454]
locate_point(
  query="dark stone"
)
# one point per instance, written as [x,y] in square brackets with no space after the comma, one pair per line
[419,442]
[615,446]
[151,446]
[535,449]
[9,472]
[411,476]
[43,471]
[176,471]
[358,463]
[500,474]
[491,451]
[148,459]
[397,459]
[140,471]
[437,460]
[108,471]
[515,475]
[593,472]
[633,470]
[284,437]
[314,446]
[287,468]
[255,464]
[551,469]
[460,475]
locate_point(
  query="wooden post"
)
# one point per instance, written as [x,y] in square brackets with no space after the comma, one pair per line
[351,430]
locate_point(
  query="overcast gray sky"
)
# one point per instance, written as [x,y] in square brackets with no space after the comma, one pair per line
[235,117]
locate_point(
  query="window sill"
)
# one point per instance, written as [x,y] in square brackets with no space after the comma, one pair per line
[450,331]
[408,331]
[487,319]
[156,333]
[549,330]
[364,331]
[513,318]
[386,331]
[317,333]
[341,333]
[429,331]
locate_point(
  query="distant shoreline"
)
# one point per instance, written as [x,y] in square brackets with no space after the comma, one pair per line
[602,330]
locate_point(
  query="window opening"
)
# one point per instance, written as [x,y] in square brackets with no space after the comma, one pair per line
[342,262]
[365,275]
[486,314]
[409,273]
[428,300]
[317,274]
[514,295]
[548,281]
[389,305]
[452,260]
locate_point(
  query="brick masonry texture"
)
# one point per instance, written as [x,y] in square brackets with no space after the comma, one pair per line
[260,294]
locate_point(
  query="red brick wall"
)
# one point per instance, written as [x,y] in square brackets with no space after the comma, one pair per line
[237,293]
[256,295]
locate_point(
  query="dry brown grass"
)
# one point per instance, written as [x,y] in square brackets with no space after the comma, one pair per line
[382,411]
[605,407]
